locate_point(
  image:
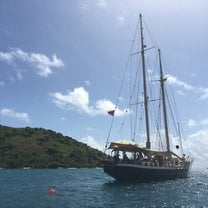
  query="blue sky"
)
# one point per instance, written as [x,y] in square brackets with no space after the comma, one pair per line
[61,63]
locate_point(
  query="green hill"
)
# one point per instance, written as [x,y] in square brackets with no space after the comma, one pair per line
[40,148]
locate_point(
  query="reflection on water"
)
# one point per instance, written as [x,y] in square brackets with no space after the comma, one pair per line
[93,188]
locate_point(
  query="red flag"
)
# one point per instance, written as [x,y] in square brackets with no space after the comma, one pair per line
[111,112]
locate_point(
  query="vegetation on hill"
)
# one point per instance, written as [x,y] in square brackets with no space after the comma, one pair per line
[40,148]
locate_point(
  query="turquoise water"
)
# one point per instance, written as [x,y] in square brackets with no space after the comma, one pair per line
[92,188]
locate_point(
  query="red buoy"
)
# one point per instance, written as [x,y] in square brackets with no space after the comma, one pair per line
[51,192]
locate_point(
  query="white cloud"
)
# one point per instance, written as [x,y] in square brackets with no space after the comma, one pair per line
[86,4]
[201,123]
[87,82]
[197,145]
[191,123]
[12,114]
[204,92]
[90,141]
[121,20]
[103,106]
[180,92]
[102,3]
[201,91]
[19,74]
[175,81]
[40,62]
[78,100]
[90,129]
[7,57]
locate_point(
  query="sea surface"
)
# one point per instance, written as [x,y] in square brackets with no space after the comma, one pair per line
[92,188]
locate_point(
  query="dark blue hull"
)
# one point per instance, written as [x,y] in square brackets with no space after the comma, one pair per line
[130,172]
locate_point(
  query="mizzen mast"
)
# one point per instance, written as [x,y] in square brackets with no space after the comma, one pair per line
[162,80]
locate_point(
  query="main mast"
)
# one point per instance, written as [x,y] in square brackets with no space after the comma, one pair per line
[162,80]
[148,145]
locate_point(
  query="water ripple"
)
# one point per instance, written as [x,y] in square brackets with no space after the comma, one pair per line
[92,188]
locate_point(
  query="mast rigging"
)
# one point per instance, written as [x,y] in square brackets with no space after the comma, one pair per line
[148,144]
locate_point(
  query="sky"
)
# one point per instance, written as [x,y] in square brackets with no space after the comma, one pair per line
[61,63]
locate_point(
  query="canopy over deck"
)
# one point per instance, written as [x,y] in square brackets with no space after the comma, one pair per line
[130,146]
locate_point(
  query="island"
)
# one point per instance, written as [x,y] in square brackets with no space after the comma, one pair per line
[43,148]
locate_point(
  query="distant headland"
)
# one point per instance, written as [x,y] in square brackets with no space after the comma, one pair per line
[41,148]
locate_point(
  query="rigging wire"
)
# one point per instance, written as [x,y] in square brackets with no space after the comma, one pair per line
[173,107]
[122,83]
[135,89]
[119,133]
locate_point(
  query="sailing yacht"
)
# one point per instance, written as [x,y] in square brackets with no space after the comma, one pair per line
[128,160]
